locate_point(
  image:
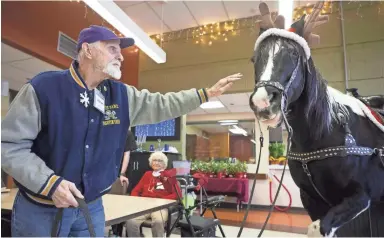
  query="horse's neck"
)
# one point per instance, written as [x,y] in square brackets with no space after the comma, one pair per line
[301,139]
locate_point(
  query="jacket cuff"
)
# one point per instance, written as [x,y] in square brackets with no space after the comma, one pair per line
[203,97]
[50,185]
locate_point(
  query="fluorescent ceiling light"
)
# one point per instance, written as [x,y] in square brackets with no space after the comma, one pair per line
[211,105]
[228,121]
[286,10]
[238,130]
[124,24]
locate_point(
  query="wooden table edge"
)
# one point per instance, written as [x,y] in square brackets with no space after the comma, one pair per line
[134,215]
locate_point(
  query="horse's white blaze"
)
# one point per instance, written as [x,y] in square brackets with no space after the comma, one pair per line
[260,99]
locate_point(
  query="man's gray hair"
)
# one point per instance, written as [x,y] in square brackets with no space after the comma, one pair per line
[80,55]
[159,156]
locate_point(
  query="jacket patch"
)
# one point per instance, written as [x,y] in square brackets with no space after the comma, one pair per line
[110,116]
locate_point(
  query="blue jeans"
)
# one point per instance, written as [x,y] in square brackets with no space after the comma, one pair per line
[30,219]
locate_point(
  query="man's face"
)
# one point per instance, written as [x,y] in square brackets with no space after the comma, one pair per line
[109,59]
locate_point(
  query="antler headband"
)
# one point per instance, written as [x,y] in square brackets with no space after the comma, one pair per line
[300,31]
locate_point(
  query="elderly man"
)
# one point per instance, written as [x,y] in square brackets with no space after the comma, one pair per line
[64,134]
[151,185]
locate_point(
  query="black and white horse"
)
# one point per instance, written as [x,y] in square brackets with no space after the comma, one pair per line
[336,143]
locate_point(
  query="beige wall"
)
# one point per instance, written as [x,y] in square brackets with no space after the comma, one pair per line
[193,130]
[190,65]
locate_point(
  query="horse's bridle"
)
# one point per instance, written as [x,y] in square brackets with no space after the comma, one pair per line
[283,90]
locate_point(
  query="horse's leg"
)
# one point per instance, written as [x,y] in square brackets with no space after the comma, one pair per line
[342,213]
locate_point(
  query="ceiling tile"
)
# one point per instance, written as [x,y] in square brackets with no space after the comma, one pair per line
[239,108]
[144,17]
[33,66]
[10,54]
[207,12]
[237,99]
[241,9]
[124,3]
[175,13]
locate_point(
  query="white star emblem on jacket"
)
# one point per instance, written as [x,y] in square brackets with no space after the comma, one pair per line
[84,99]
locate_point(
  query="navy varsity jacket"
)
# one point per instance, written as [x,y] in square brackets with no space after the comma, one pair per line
[52,131]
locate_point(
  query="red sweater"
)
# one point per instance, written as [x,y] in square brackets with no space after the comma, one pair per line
[147,188]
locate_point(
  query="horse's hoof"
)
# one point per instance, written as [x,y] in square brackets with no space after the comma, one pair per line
[314,229]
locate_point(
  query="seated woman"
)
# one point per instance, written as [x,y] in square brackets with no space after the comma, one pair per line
[151,185]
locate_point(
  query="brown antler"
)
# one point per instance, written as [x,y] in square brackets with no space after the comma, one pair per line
[312,21]
[266,19]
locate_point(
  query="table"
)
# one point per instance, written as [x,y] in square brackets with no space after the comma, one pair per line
[230,186]
[117,208]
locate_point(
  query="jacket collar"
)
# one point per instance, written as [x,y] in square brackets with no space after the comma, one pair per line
[74,70]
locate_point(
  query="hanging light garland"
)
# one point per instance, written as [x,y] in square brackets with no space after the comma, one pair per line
[223,31]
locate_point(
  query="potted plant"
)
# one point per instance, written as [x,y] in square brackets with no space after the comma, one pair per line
[230,171]
[241,170]
[281,159]
[274,152]
[195,166]
[221,169]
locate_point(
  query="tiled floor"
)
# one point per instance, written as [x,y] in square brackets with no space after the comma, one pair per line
[295,222]
[281,224]
[232,231]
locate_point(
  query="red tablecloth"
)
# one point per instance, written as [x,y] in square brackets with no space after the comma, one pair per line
[229,186]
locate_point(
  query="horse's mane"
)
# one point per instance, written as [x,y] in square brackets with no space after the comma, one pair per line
[320,108]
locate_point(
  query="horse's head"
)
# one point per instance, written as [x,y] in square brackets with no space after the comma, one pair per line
[281,61]
[279,67]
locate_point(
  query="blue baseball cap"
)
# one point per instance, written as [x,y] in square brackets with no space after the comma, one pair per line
[99,33]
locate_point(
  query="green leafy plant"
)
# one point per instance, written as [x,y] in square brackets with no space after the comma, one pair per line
[276,149]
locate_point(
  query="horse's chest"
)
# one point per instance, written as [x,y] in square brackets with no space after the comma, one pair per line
[328,176]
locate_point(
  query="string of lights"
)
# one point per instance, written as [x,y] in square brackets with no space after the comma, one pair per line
[223,31]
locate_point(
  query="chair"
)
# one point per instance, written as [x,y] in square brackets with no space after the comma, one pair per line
[117,189]
[173,213]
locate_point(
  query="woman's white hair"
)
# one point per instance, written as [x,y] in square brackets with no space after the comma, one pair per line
[159,156]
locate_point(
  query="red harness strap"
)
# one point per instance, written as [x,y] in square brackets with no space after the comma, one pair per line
[377,116]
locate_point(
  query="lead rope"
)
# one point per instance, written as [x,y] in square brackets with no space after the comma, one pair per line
[289,128]
[254,182]
[59,217]
[283,109]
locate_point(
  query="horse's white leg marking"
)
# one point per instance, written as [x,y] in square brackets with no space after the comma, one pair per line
[314,227]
